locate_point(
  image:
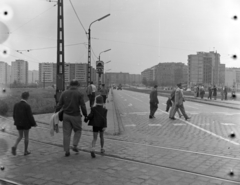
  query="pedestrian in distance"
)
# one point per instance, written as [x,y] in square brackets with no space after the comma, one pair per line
[98,120]
[23,120]
[91,90]
[202,92]
[210,92]
[153,102]
[222,93]
[226,92]
[71,102]
[104,93]
[178,103]
[214,92]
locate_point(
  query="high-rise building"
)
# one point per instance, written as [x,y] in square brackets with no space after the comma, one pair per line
[204,69]
[9,67]
[222,75]
[19,72]
[33,76]
[171,73]
[149,74]
[78,71]
[3,73]
[47,74]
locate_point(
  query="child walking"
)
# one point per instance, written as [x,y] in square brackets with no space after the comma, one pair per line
[98,120]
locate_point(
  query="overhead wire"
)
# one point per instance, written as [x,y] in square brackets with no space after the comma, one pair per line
[77,16]
[81,25]
[31,19]
[28,50]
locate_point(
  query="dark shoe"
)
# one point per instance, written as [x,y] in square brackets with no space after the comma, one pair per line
[187,118]
[27,153]
[173,118]
[75,149]
[93,154]
[153,116]
[102,151]
[67,154]
[14,150]
[150,117]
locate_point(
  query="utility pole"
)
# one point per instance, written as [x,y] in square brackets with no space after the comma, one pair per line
[60,80]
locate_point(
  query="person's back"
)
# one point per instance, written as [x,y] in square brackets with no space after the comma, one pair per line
[70,102]
[72,99]
[98,116]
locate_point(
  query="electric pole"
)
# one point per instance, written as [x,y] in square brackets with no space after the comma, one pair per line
[60,80]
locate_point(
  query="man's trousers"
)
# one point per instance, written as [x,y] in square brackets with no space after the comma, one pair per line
[153,108]
[71,123]
[174,110]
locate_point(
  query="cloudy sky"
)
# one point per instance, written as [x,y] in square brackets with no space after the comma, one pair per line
[140,33]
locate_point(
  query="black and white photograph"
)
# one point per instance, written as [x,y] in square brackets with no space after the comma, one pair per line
[119,92]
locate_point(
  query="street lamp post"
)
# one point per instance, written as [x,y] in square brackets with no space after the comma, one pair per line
[89,48]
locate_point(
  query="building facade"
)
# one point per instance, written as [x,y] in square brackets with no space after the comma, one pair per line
[135,78]
[149,74]
[117,78]
[78,71]
[204,69]
[3,73]
[171,73]
[33,77]
[19,72]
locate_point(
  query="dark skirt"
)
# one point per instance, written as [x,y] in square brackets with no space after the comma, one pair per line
[22,128]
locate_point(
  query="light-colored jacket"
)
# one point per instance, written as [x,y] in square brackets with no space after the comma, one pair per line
[179,99]
[54,121]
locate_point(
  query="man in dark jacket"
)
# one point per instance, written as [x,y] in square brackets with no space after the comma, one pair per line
[153,102]
[70,102]
[24,120]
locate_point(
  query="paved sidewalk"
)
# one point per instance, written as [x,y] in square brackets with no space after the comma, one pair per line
[125,163]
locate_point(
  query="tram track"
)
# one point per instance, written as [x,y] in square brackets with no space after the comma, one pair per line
[115,156]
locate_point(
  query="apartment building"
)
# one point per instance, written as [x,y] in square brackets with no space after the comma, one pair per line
[78,71]
[149,74]
[204,68]
[33,76]
[19,72]
[3,73]
[171,73]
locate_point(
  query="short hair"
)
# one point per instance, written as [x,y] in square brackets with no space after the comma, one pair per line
[74,83]
[179,84]
[91,82]
[155,86]
[25,95]
[103,85]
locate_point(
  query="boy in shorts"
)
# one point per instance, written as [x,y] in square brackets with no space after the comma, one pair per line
[98,120]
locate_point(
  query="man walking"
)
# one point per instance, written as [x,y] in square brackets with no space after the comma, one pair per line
[153,102]
[178,103]
[70,102]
